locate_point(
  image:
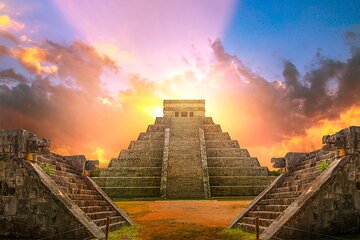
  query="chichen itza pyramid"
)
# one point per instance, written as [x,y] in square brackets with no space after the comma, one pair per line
[183,155]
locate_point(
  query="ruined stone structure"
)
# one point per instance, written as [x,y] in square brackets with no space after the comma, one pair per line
[45,195]
[183,155]
[319,195]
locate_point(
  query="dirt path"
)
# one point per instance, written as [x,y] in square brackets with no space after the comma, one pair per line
[184,219]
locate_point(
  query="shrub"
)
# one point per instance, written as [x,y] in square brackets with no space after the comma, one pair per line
[323,166]
[48,169]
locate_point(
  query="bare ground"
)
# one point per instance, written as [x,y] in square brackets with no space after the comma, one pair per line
[183,219]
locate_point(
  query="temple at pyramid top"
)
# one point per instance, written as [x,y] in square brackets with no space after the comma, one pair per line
[184,108]
[183,155]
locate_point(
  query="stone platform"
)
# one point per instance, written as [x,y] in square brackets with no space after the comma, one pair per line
[183,155]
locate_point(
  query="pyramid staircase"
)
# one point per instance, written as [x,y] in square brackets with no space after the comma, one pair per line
[283,207]
[83,193]
[185,171]
[232,171]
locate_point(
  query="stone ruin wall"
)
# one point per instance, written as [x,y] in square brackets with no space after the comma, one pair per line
[27,208]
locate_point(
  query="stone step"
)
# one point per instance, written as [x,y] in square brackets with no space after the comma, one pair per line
[222,191]
[146,146]
[212,128]
[208,120]
[221,144]
[249,227]
[71,185]
[57,178]
[300,179]
[263,214]
[67,174]
[300,182]
[271,208]
[305,171]
[283,201]
[137,162]
[132,192]
[102,221]
[99,215]
[84,203]
[151,136]
[135,153]
[85,197]
[93,209]
[290,188]
[162,120]
[78,191]
[233,162]
[128,181]
[283,195]
[240,180]
[147,142]
[227,152]
[130,171]
[113,226]
[156,128]
[262,221]
[216,136]
[238,171]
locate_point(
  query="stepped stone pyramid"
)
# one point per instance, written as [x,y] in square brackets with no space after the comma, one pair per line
[183,155]
[45,195]
[318,196]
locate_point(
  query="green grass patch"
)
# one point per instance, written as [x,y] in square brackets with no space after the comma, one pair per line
[233,234]
[323,166]
[48,169]
[124,233]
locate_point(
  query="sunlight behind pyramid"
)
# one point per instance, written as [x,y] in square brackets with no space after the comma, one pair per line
[183,155]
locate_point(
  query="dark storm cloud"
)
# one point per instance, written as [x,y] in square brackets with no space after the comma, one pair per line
[79,63]
[328,89]
[10,76]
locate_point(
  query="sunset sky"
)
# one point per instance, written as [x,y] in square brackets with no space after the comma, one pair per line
[91,75]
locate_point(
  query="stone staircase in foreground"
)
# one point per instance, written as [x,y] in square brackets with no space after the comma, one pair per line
[232,171]
[317,197]
[136,173]
[185,171]
[72,183]
[279,198]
